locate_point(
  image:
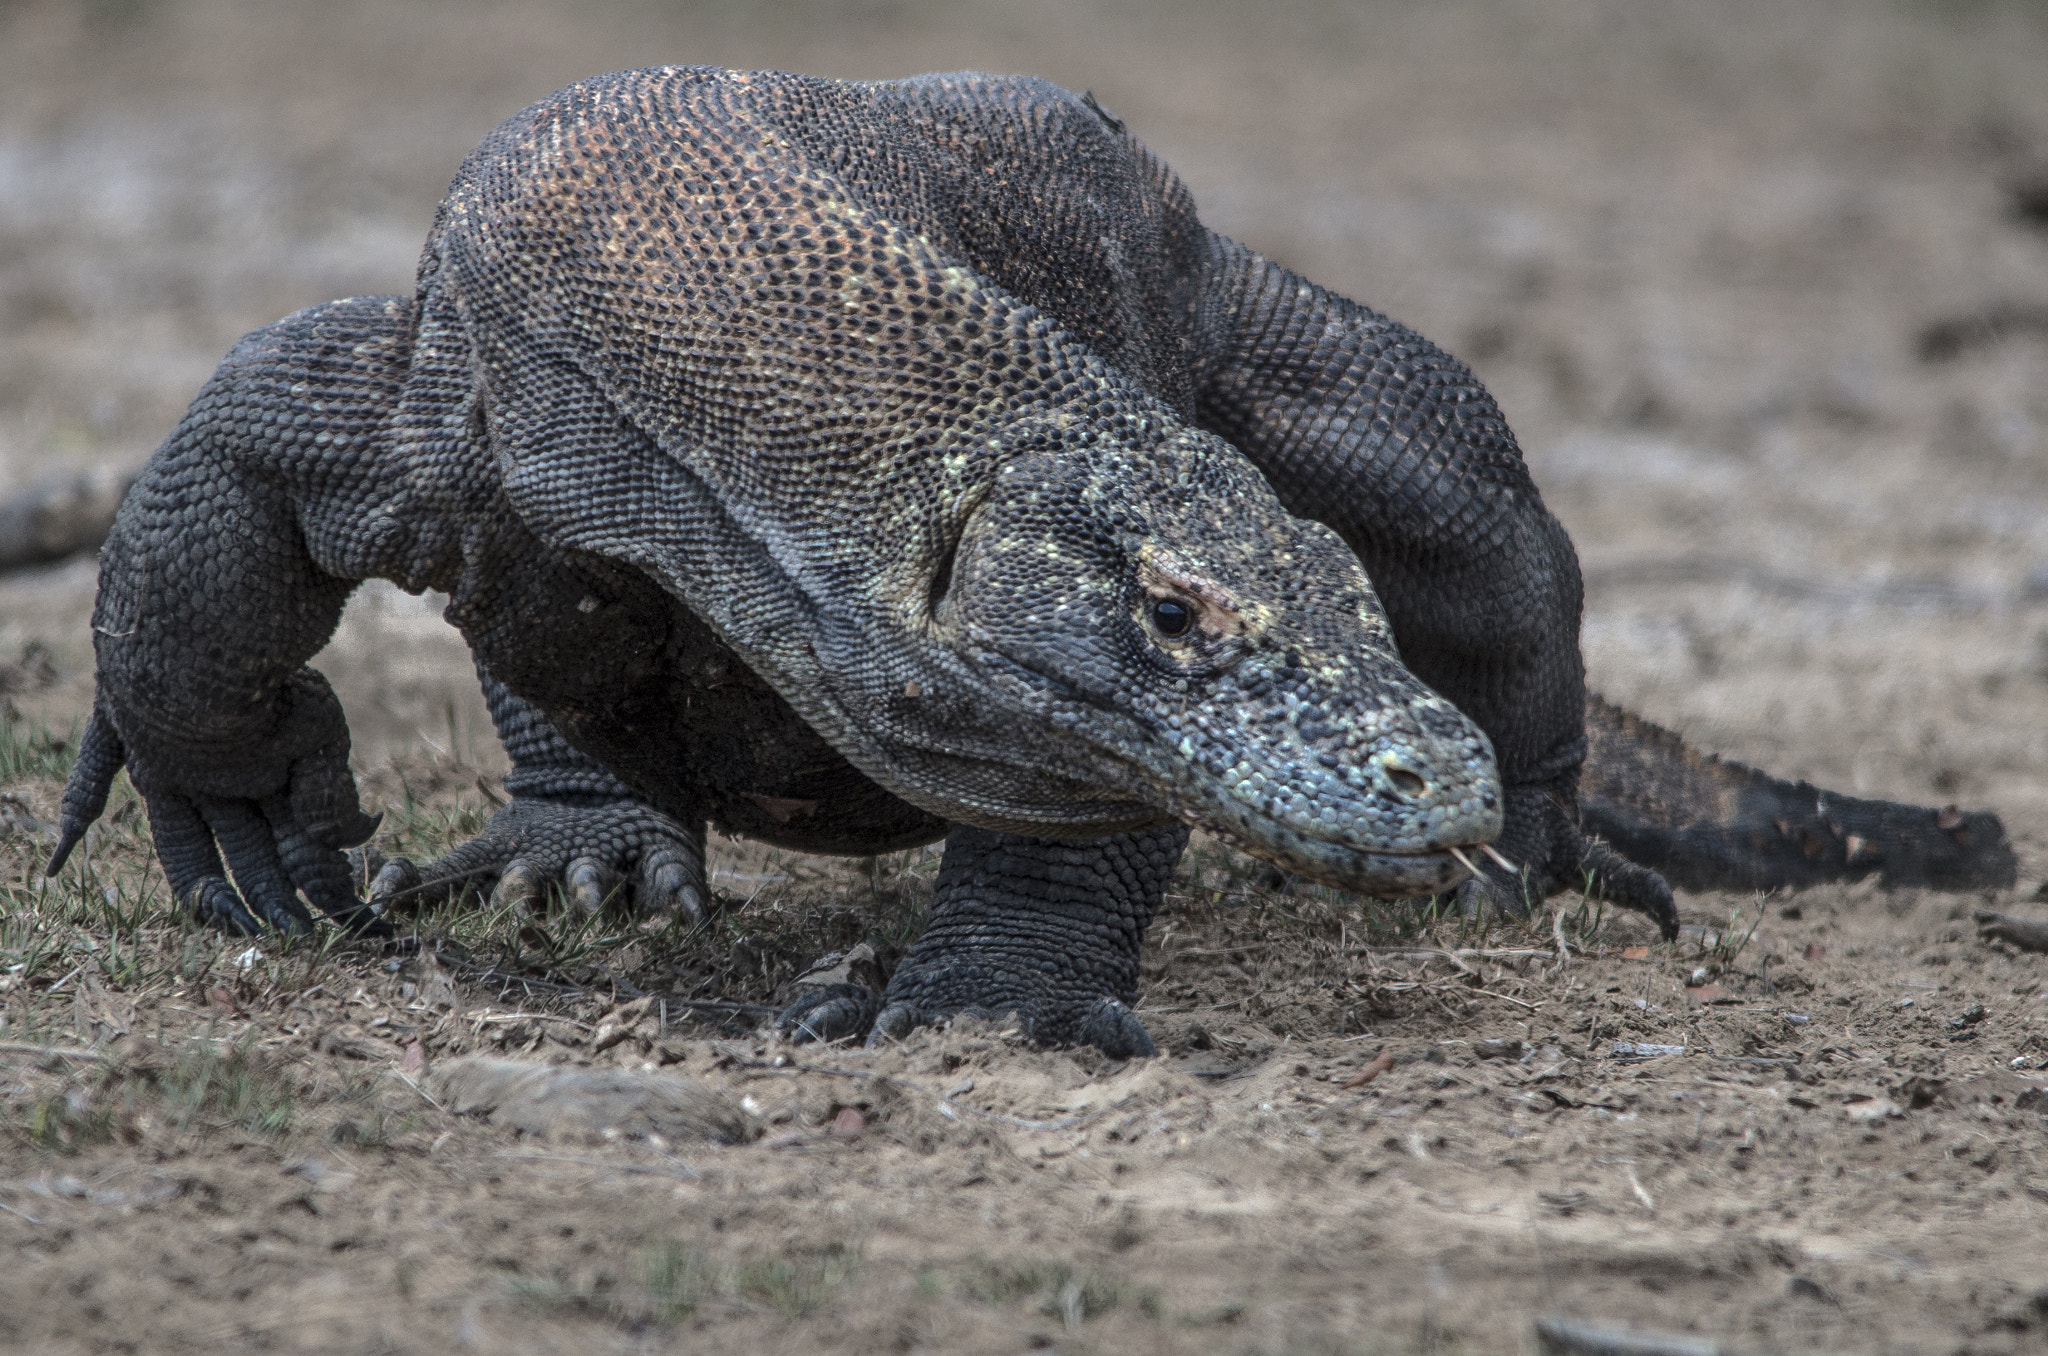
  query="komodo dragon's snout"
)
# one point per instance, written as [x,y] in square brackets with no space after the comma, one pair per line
[1153,609]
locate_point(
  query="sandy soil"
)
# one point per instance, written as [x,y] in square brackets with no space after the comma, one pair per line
[1753,283]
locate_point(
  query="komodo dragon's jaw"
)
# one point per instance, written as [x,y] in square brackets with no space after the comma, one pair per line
[1151,617]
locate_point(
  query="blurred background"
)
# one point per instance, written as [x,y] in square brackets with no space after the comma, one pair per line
[1762,287]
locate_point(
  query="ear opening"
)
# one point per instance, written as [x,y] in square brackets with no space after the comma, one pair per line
[942,578]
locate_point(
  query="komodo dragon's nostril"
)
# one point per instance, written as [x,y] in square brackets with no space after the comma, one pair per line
[1407,782]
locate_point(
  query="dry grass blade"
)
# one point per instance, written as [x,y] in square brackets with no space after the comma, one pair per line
[46,1051]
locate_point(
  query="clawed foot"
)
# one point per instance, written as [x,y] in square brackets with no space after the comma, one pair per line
[282,845]
[615,850]
[1545,853]
[1603,873]
[1040,930]
[1108,1024]
[830,1012]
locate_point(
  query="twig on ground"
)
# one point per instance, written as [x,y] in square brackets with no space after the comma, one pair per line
[1635,1184]
[1506,998]
[1572,1337]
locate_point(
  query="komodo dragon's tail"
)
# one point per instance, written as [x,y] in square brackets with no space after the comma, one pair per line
[1707,823]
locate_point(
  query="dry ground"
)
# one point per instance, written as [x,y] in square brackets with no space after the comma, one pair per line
[1759,288]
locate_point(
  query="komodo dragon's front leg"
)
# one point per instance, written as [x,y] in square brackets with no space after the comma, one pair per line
[1365,426]
[569,820]
[328,448]
[1042,930]
[211,600]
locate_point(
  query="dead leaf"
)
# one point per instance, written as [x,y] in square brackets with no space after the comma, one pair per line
[1711,993]
[1381,1062]
[636,1019]
[1635,953]
[414,1060]
[220,996]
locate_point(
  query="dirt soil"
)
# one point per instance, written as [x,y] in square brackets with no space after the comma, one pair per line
[1764,290]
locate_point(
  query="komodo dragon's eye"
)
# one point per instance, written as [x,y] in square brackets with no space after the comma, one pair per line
[1172,617]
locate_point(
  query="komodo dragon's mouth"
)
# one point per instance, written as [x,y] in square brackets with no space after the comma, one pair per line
[1446,837]
[1345,866]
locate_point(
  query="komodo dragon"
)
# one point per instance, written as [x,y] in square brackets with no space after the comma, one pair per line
[847,465]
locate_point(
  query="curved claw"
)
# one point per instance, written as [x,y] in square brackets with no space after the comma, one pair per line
[214,902]
[1115,1030]
[397,879]
[830,1012]
[360,832]
[667,885]
[895,1022]
[520,887]
[1620,881]
[590,849]
[366,920]
[588,883]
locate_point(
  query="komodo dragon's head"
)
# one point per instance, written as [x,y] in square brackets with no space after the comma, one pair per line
[1128,626]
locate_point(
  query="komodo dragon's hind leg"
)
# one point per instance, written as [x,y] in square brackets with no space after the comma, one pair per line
[1707,823]
[1043,929]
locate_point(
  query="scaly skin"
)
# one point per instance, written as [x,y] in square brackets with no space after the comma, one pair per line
[847,465]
